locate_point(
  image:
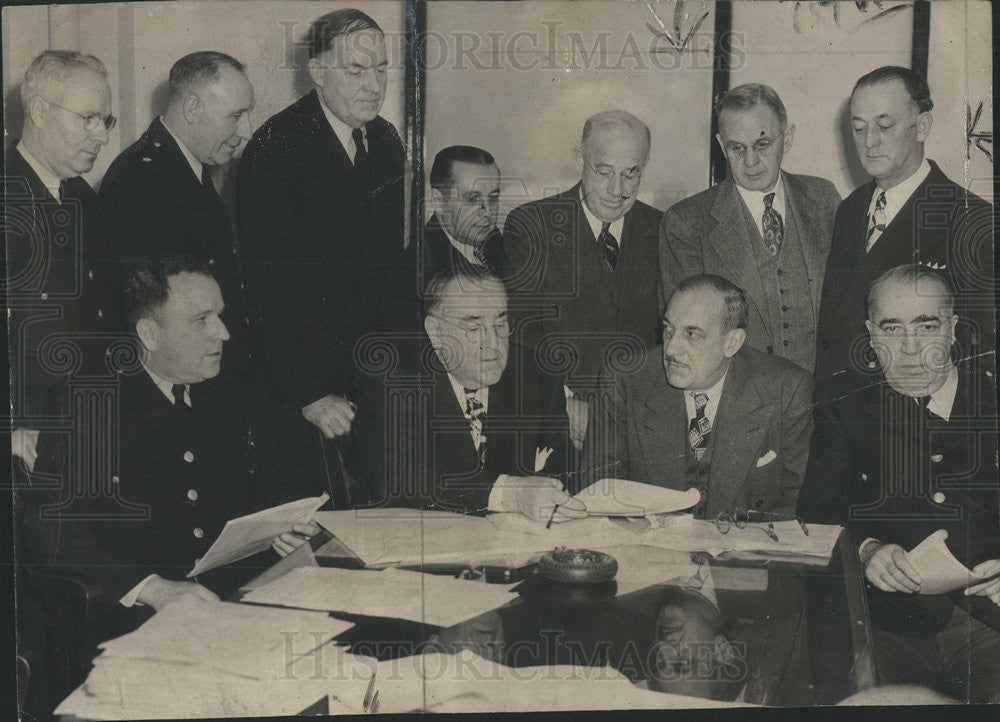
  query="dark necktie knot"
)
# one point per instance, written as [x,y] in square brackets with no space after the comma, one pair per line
[361,161]
[178,391]
[768,200]
[63,190]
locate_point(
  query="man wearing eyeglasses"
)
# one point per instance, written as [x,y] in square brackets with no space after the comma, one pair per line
[159,196]
[475,427]
[909,211]
[766,230]
[906,451]
[54,284]
[583,262]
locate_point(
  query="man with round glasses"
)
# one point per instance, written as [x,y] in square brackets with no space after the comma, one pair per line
[583,262]
[766,230]
[477,426]
[54,285]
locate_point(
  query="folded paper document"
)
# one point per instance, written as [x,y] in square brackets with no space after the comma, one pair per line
[428,598]
[248,535]
[940,572]
[621,497]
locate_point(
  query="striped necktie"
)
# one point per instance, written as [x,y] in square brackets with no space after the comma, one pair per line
[876,224]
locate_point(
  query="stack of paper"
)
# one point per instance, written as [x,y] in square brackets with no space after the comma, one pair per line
[427,598]
[704,536]
[203,658]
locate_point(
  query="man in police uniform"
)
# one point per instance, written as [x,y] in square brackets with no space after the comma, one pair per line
[184,458]
[905,451]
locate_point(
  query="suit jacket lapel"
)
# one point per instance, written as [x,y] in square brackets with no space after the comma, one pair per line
[731,239]
[797,200]
[740,423]
[662,434]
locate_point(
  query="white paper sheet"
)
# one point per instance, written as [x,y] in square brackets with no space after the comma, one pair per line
[428,598]
[239,639]
[621,497]
[248,535]
[940,572]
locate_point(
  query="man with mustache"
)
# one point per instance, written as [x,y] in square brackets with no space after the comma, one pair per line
[159,196]
[320,200]
[54,283]
[465,196]
[904,451]
[476,426]
[910,211]
[705,411]
[584,262]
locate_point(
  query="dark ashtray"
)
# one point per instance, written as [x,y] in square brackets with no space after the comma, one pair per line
[578,566]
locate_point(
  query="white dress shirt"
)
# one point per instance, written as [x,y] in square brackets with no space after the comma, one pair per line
[49,179]
[596,223]
[714,394]
[343,131]
[754,201]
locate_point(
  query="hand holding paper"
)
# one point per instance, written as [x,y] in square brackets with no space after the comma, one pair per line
[990,588]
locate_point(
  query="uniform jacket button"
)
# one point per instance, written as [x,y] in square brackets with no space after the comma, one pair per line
[198,533]
[193,494]
[188,457]
[938,497]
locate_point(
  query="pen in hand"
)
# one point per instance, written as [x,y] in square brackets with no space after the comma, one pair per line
[552,516]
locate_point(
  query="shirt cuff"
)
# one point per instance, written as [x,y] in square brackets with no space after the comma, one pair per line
[501,496]
[865,543]
[130,599]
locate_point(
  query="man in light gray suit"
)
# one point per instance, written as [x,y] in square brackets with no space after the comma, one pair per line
[766,230]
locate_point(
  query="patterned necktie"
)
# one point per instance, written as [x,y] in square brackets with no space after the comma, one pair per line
[480,253]
[475,412]
[360,153]
[700,427]
[179,403]
[876,224]
[774,227]
[610,246]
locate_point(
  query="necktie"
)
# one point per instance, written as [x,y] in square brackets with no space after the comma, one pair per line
[476,413]
[360,153]
[876,224]
[610,246]
[774,227]
[700,427]
[480,253]
[206,180]
[62,191]
[179,403]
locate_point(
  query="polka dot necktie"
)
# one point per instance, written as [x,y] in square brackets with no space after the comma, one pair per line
[774,227]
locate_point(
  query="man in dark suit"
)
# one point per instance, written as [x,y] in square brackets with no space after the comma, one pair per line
[706,411]
[158,196]
[910,212]
[320,198]
[54,280]
[899,453]
[766,230]
[583,262]
[178,462]
[474,428]
[465,195]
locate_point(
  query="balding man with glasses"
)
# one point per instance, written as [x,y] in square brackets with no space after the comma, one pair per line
[766,230]
[54,285]
[583,262]
[475,427]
